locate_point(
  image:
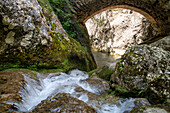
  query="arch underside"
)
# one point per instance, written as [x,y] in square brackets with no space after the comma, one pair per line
[146,15]
[156,11]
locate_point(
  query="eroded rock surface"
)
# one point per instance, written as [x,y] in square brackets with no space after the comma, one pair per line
[31,36]
[116,30]
[63,103]
[144,70]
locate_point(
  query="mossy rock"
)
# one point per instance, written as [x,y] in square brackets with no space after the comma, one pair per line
[66,54]
[52,49]
[103,73]
[144,71]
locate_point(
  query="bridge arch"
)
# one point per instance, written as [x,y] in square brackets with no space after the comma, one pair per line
[146,15]
[156,11]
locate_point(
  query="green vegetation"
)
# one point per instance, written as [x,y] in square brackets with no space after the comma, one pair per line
[63,55]
[99,21]
[62,9]
[119,91]
[91,72]
[67,17]
[103,73]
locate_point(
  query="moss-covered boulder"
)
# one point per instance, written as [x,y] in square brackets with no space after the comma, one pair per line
[145,72]
[31,36]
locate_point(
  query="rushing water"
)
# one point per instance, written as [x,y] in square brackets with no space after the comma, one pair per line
[37,90]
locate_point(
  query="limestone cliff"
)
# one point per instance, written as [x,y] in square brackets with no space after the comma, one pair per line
[115,30]
[31,36]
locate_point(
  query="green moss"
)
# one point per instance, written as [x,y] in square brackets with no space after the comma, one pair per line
[91,72]
[99,21]
[45,5]
[54,26]
[37,29]
[41,14]
[65,15]
[121,90]
[139,109]
[51,70]
[105,73]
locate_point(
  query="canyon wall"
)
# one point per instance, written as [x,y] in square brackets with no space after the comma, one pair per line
[116,30]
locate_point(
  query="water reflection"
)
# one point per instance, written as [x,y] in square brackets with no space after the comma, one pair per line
[103,59]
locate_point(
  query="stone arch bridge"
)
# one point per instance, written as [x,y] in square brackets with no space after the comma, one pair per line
[156,11]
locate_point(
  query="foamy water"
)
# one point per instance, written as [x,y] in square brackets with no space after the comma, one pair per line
[36,91]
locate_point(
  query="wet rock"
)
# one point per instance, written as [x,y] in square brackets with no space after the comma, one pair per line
[144,71]
[148,109]
[141,102]
[10,84]
[63,103]
[116,30]
[99,84]
[97,101]
[162,43]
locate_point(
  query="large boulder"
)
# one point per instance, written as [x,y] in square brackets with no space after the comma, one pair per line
[115,30]
[144,71]
[63,103]
[31,36]
[163,43]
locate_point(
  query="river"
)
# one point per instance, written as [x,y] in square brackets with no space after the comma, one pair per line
[103,59]
[36,91]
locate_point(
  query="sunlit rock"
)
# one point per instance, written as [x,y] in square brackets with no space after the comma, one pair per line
[116,30]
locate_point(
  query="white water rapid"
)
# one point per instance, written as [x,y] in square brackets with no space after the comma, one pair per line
[37,90]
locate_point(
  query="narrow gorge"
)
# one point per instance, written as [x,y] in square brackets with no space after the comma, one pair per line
[84,56]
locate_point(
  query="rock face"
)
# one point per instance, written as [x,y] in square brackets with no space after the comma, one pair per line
[32,36]
[116,30]
[144,71]
[163,43]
